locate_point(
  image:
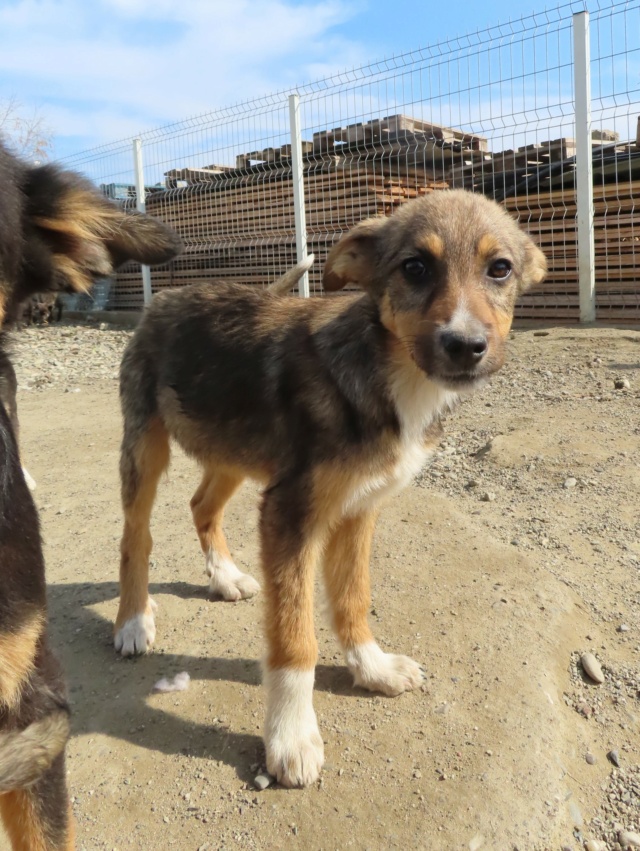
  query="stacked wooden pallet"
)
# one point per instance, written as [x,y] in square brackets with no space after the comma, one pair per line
[394,128]
[550,218]
[538,167]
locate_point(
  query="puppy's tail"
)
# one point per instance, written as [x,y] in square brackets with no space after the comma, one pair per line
[26,754]
[288,281]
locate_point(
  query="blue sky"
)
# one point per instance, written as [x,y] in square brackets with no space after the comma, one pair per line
[99,70]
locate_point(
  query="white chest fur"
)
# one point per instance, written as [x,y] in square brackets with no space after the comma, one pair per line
[418,403]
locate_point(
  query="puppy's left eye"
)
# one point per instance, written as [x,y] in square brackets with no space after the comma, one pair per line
[499,270]
[414,268]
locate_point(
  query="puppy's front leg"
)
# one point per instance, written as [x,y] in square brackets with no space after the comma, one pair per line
[295,751]
[346,567]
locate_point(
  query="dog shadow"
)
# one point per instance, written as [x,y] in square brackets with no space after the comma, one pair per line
[125,710]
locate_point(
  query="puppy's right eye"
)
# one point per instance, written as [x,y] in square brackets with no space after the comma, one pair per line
[415,268]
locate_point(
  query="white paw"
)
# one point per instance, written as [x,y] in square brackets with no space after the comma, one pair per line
[137,634]
[295,751]
[227,581]
[377,671]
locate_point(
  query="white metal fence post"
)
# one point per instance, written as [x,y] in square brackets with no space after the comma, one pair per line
[141,207]
[297,175]
[584,166]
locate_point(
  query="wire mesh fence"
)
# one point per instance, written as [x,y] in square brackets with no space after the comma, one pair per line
[492,112]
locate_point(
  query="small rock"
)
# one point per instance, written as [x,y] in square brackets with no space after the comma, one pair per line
[477,842]
[488,496]
[590,758]
[485,449]
[594,845]
[623,628]
[592,667]
[540,333]
[614,757]
[629,839]
[570,482]
[576,815]
[621,383]
[263,781]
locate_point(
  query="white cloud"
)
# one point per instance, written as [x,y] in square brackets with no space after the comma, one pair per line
[100,69]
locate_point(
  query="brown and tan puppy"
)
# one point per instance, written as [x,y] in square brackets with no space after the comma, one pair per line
[56,232]
[333,404]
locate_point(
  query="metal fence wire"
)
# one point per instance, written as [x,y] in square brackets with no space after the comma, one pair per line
[497,112]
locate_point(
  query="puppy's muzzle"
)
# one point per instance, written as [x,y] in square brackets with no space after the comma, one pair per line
[463,351]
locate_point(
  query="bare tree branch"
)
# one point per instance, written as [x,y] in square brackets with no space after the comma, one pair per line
[26,133]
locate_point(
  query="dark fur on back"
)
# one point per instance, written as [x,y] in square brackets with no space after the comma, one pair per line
[56,233]
[289,391]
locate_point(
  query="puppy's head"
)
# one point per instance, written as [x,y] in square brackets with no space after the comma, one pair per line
[445,272]
[57,232]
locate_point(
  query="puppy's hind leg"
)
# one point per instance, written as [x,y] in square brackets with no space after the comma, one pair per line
[144,457]
[346,570]
[207,505]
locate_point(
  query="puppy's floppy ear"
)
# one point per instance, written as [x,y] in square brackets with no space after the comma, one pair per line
[535,266]
[353,259]
[74,235]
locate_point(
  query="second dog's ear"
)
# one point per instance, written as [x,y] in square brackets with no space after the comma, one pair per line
[74,235]
[353,259]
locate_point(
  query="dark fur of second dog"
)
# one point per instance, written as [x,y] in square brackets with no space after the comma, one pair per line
[333,404]
[56,233]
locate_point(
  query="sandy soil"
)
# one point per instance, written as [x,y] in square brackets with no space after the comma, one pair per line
[516,550]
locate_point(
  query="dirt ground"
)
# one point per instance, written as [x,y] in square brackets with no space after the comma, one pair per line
[516,550]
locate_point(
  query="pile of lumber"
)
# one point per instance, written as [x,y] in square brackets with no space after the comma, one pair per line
[237,222]
[536,167]
[242,228]
[550,218]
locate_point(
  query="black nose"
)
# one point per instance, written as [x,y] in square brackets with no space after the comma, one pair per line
[464,351]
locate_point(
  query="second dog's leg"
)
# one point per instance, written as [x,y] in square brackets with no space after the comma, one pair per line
[346,567]
[141,464]
[39,818]
[207,506]
[295,751]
